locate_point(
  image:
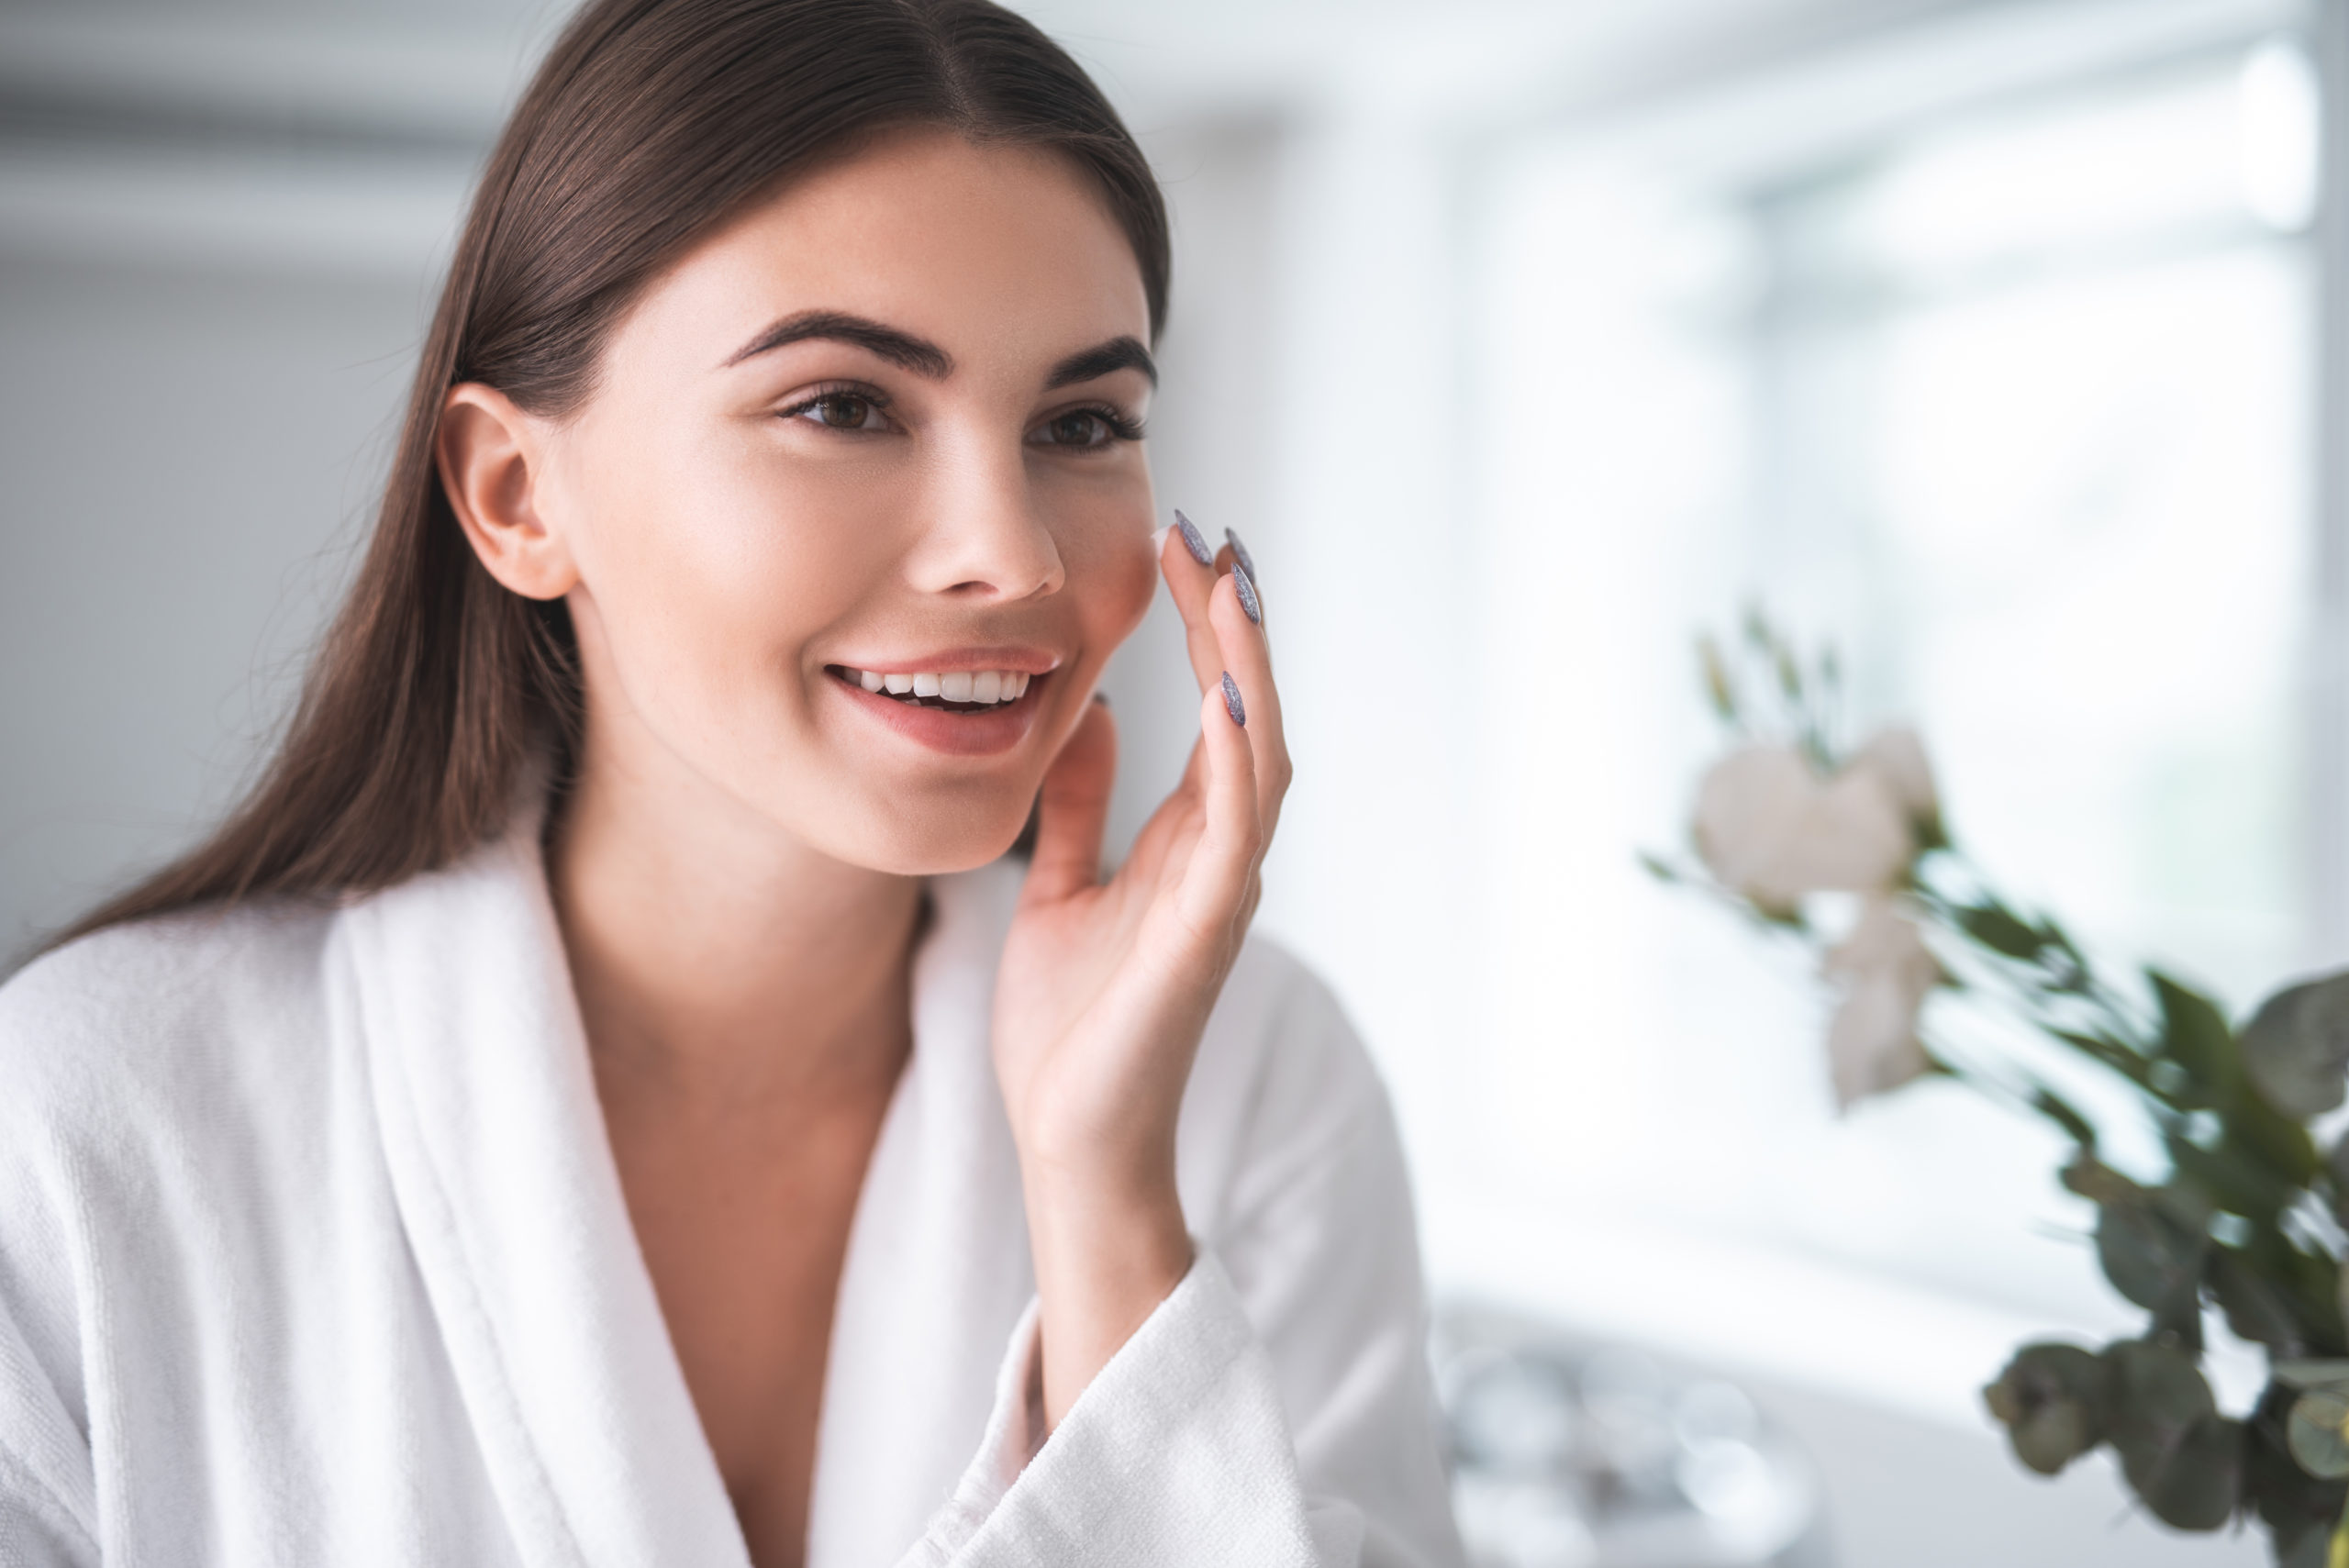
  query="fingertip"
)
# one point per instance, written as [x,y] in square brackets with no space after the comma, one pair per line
[1194,542]
[1244,588]
[1228,608]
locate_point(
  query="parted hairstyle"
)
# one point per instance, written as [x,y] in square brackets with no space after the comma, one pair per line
[651,123]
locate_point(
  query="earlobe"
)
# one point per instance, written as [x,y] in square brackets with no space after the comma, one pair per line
[490,454]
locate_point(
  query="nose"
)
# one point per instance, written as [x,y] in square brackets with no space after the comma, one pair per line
[986,541]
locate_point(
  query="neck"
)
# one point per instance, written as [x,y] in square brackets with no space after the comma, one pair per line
[721,961]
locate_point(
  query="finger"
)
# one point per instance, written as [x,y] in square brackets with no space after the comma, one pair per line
[1190,582]
[1240,644]
[1216,882]
[1075,810]
[1225,559]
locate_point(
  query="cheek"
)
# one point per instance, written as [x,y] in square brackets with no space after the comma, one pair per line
[710,572]
[1112,582]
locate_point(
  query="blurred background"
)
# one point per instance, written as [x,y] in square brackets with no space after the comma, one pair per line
[1989,339]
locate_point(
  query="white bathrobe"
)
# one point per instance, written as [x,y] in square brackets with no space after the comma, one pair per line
[313,1251]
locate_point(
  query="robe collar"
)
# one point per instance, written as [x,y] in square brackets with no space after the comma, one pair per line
[458,985]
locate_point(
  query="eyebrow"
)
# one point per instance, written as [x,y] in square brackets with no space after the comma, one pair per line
[925,358]
[902,349]
[1116,354]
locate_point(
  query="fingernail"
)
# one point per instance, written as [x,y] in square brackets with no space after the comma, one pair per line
[1192,541]
[1247,593]
[1231,703]
[1101,697]
[1239,552]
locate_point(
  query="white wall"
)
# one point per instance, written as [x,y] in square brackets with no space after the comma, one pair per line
[166,549]
[187,453]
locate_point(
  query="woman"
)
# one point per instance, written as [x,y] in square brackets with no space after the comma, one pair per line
[606,1097]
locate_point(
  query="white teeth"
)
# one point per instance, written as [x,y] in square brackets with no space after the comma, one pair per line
[976,687]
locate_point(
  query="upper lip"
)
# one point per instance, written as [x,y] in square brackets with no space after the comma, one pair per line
[1026,661]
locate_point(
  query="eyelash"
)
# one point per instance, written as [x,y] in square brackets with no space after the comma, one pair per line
[1120,426]
[872,396]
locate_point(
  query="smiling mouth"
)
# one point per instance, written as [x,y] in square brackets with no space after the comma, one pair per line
[958,691]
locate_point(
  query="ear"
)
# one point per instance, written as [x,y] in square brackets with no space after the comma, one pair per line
[491,456]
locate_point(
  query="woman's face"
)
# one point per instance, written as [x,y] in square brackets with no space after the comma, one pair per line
[883,430]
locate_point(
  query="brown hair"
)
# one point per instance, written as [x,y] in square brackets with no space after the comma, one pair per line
[650,122]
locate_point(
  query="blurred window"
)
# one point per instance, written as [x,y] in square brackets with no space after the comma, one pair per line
[2032,397]
[2012,403]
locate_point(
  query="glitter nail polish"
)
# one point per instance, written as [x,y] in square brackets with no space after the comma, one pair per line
[1247,592]
[1239,554]
[1192,540]
[1231,703]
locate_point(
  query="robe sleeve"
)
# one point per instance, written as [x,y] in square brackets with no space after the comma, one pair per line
[1277,1408]
[48,1485]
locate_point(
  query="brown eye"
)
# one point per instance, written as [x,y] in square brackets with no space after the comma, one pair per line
[842,408]
[844,411]
[1078,429]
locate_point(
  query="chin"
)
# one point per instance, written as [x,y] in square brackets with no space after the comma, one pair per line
[941,845]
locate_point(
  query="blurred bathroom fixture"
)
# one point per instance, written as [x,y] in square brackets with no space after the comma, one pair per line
[1566,1454]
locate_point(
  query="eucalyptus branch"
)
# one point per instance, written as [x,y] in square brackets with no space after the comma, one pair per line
[2247,1221]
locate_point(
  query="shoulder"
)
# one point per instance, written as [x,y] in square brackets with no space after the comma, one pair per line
[1279,1025]
[1283,1085]
[138,1017]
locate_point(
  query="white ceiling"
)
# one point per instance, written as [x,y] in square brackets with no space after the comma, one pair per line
[445,69]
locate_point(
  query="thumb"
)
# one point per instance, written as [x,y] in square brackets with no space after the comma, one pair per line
[1075,810]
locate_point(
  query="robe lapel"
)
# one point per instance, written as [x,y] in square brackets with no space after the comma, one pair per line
[505,1184]
[938,1270]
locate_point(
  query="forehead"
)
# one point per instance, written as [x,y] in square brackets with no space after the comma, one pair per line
[991,251]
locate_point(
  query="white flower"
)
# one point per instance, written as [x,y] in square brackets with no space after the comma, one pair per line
[1898,757]
[1886,971]
[1768,826]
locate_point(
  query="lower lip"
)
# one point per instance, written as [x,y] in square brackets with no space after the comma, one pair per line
[982,732]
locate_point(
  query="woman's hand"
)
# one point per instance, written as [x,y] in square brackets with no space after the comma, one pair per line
[1106,987]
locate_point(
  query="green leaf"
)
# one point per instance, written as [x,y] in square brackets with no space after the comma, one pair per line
[2196,1484]
[2297,1508]
[2150,1257]
[2100,1183]
[2327,1372]
[2057,1111]
[2050,1398]
[2180,1455]
[2258,1130]
[2296,1047]
[1718,686]
[2336,1166]
[2194,1033]
[2257,1308]
[2111,1053]
[2000,930]
[2318,1431]
[2258,1138]
[2233,1179]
